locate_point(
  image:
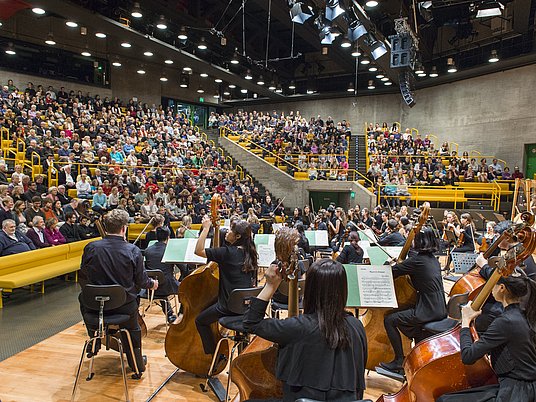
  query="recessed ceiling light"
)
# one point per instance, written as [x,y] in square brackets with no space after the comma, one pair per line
[71,24]
[204,75]
[387,83]
[433,72]
[148,53]
[10,51]
[218,80]
[85,53]
[292,85]
[365,60]
[183,35]
[385,79]
[163,78]
[371,85]
[116,64]
[494,57]
[226,93]
[202,45]
[38,10]
[248,75]
[136,11]
[346,43]
[200,90]
[371,3]
[356,52]
[168,61]
[50,40]
[310,91]
[232,86]
[183,85]
[260,81]
[100,35]
[187,68]
[216,95]
[244,90]
[373,69]
[141,71]
[126,44]
[161,23]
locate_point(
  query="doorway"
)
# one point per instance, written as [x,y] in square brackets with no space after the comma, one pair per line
[530,161]
[322,199]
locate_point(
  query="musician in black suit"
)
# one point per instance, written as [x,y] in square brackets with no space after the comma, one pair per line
[153,260]
[392,237]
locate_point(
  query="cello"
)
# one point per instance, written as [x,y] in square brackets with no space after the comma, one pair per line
[253,371]
[379,347]
[434,366]
[197,291]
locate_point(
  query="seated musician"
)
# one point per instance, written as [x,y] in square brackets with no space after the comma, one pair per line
[392,237]
[425,273]
[327,344]
[467,229]
[113,260]
[510,341]
[237,261]
[351,253]
[336,227]
[489,237]
[493,308]
[153,260]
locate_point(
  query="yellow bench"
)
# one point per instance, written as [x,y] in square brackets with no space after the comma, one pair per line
[476,188]
[270,159]
[301,176]
[437,194]
[134,229]
[35,266]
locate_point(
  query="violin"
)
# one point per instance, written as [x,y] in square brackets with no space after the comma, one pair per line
[253,371]
[341,246]
[197,291]
[434,367]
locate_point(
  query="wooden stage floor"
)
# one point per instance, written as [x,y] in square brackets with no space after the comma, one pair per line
[46,371]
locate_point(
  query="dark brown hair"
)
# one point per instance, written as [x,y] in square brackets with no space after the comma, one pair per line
[243,229]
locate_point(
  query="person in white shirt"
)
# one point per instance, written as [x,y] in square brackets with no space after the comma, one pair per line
[83,187]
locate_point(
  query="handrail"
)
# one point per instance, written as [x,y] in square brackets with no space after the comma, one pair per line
[23,144]
[412,130]
[250,178]
[434,136]
[454,143]
[35,154]
[367,156]
[230,160]
[241,170]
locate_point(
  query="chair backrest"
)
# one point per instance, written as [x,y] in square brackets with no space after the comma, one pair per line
[306,264]
[156,274]
[114,296]
[283,287]
[240,298]
[454,306]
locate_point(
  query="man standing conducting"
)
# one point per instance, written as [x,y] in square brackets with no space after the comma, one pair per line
[113,260]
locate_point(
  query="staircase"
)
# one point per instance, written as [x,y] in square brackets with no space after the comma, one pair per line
[360,154]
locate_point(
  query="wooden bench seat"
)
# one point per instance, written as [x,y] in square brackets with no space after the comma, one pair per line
[437,195]
[36,266]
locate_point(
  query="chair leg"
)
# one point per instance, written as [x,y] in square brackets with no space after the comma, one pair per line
[136,370]
[79,370]
[166,312]
[213,363]
[123,371]
[236,345]
[91,373]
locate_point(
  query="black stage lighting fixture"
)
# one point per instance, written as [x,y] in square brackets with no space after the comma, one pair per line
[299,12]
[326,37]
[333,9]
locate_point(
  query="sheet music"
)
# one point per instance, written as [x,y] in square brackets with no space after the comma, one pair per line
[370,286]
[266,251]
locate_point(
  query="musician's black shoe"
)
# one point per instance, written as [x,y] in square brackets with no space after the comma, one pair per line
[219,365]
[395,365]
[171,318]
[89,348]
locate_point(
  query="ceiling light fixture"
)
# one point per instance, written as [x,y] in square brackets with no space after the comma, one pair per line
[365,60]
[387,83]
[384,79]
[419,69]
[136,10]
[200,90]
[433,72]
[346,43]
[355,51]
[310,91]
[371,3]
[226,92]
[183,35]
[260,81]
[71,24]
[187,69]
[204,75]
[168,61]
[350,87]
[148,53]
[100,35]
[116,64]
[272,86]
[232,86]
[141,71]
[451,66]
[10,49]
[371,84]
[161,23]
[292,85]
[380,75]
[244,90]
[377,48]
[216,96]
[279,89]
[235,59]
[489,9]
[494,57]
[50,39]
[373,69]
[38,10]
[218,80]
[333,9]
[163,78]
[126,44]
[299,12]
[86,53]
[248,75]
[202,45]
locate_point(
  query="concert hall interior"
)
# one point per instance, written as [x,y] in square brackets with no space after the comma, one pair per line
[267,200]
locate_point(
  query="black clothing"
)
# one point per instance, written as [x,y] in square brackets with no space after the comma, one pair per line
[513,358]
[70,232]
[350,255]
[9,246]
[468,245]
[425,273]
[303,243]
[305,363]
[114,261]
[153,260]
[34,237]
[392,239]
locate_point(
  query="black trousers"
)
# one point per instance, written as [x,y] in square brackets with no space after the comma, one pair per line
[132,325]
[405,322]
[204,321]
[508,390]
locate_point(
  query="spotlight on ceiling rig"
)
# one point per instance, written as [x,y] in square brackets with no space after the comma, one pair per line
[333,9]
[300,12]
[326,37]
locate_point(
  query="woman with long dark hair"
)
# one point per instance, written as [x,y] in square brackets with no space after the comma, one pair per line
[327,344]
[510,341]
[237,260]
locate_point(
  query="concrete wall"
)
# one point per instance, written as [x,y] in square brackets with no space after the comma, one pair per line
[493,114]
[280,184]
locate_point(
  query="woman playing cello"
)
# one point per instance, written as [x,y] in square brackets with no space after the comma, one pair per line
[323,352]
[510,340]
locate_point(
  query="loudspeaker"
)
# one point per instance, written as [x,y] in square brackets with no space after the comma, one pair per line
[406,87]
[402,51]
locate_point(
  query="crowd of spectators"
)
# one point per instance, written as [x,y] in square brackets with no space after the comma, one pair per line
[314,146]
[398,159]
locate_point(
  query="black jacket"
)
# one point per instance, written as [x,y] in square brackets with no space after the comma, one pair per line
[350,255]
[9,246]
[425,273]
[70,232]
[34,237]
[112,260]
[392,239]
[305,363]
[153,260]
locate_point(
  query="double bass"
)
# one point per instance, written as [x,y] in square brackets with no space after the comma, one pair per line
[197,291]
[379,347]
[434,366]
[253,371]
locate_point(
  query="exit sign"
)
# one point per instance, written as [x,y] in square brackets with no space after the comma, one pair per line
[202,100]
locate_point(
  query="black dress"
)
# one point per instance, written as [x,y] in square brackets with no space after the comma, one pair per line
[513,357]
[306,365]
[350,255]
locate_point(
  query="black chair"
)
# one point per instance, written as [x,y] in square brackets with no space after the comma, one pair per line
[159,276]
[100,299]
[446,324]
[276,307]
[238,302]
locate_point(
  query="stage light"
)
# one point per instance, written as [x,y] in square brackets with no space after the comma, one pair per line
[384,79]
[200,90]
[38,10]
[100,35]
[136,10]
[373,69]
[148,53]
[451,66]
[350,87]
[226,92]
[188,69]
[380,75]
[365,60]
[126,45]
[419,69]
[86,53]
[71,24]
[235,59]
[10,49]
[292,85]
[371,84]
[299,13]
[168,61]
[244,90]
[377,49]
[272,86]
[141,71]
[248,75]
[355,51]
[333,9]
[433,72]
[161,23]
[494,57]
[260,81]
[489,9]
[183,35]
[50,40]
[387,83]
[204,75]
[163,78]
[346,43]
[356,30]
[202,45]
